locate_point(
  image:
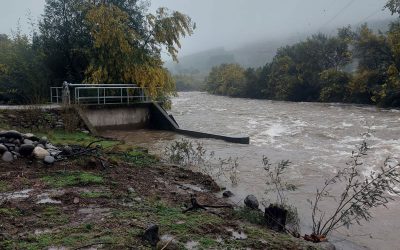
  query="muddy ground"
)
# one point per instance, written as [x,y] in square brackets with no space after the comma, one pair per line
[82,204]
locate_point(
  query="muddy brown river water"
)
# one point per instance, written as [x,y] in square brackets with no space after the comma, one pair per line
[317,138]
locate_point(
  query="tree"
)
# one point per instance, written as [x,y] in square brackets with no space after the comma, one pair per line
[226,79]
[112,41]
[334,85]
[23,76]
[393,6]
[120,55]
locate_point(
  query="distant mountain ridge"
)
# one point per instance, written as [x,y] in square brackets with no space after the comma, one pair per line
[255,54]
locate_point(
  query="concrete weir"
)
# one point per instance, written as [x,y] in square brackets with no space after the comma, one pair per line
[142,115]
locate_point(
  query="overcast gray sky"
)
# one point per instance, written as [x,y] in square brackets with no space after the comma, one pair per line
[232,23]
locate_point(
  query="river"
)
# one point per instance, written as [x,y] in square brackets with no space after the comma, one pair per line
[317,138]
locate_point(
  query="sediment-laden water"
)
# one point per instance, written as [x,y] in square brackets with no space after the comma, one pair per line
[317,138]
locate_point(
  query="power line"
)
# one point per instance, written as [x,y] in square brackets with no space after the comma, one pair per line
[337,14]
[369,16]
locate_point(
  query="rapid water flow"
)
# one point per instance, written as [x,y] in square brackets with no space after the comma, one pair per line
[317,138]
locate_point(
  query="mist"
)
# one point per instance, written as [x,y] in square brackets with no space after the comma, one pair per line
[232,24]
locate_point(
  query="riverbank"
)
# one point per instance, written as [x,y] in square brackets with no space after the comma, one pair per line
[83,203]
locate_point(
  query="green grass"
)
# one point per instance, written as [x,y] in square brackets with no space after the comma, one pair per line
[4,186]
[9,212]
[250,215]
[139,158]
[60,137]
[68,179]
[94,195]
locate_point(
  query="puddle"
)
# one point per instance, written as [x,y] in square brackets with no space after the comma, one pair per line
[94,211]
[192,187]
[46,199]
[42,231]
[18,194]
[237,235]
[192,245]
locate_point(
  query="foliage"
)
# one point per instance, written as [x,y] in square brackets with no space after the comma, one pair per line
[226,79]
[109,41]
[185,153]
[275,183]
[359,195]
[358,66]
[23,75]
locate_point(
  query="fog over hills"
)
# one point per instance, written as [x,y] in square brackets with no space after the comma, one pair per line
[255,54]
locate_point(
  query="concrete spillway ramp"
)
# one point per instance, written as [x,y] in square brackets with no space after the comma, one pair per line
[142,115]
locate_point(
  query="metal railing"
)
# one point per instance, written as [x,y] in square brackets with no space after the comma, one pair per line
[99,94]
[56,95]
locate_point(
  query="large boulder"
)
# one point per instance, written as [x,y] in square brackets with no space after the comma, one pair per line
[251,202]
[40,153]
[7,157]
[26,150]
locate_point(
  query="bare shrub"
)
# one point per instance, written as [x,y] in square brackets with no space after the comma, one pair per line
[358,196]
[276,184]
[187,153]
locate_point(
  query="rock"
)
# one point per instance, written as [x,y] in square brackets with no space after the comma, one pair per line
[31,137]
[11,134]
[67,150]
[3,149]
[10,146]
[227,194]
[40,145]
[85,131]
[40,153]
[151,235]
[76,200]
[27,141]
[49,146]
[49,160]
[7,157]
[26,150]
[17,142]
[251,202]
[276,217]
[54,152]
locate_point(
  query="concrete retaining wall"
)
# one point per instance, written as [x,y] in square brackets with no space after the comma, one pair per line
[143,115]
[117,117]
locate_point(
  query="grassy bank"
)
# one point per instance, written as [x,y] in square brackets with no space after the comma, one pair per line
[79,203]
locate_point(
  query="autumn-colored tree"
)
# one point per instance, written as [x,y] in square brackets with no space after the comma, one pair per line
[120,55]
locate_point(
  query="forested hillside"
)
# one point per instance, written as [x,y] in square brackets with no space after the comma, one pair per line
[360,66]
